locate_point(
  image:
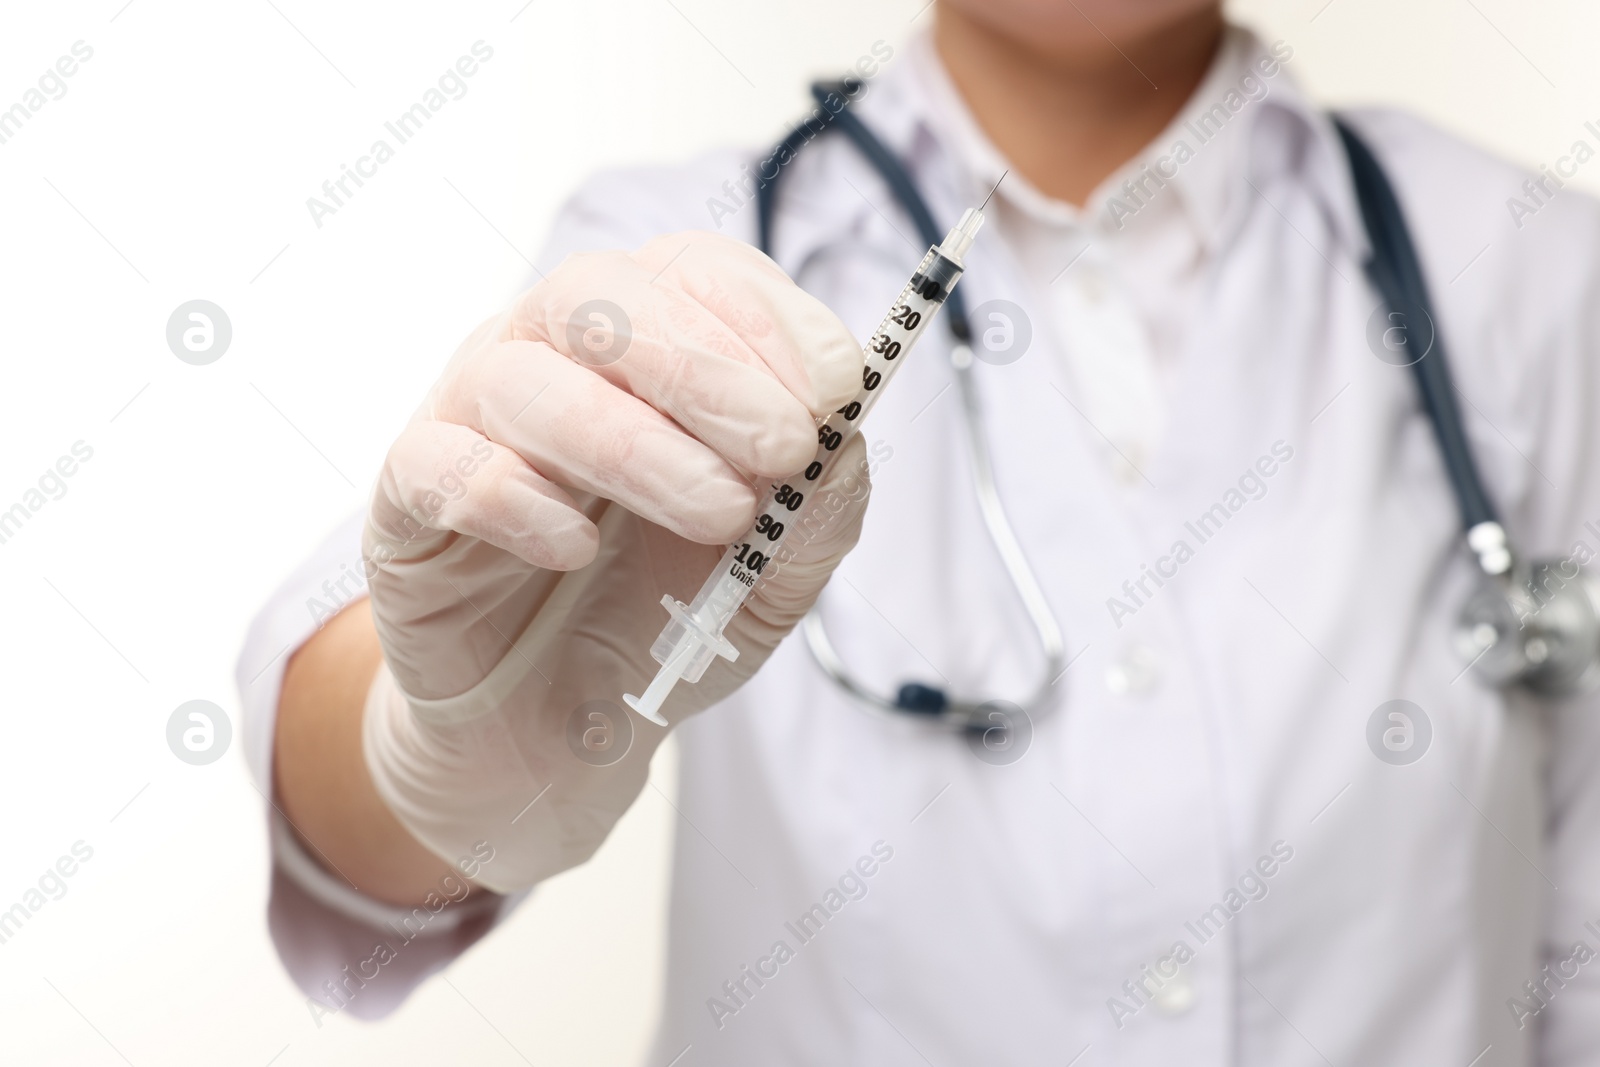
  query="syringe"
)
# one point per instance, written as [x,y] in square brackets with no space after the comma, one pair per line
[694,636]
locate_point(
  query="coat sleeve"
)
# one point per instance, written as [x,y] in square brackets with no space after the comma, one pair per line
[346,951]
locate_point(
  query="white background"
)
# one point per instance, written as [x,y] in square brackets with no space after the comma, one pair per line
[176,167]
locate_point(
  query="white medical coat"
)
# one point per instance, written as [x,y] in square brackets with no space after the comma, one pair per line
[1199,858]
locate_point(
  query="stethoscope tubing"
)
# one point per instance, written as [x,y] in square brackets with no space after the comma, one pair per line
[1394,270]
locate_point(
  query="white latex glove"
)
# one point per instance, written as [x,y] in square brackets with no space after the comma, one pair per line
[566,472]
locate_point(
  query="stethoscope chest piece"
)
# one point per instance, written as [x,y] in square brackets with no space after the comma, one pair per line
[1536,627]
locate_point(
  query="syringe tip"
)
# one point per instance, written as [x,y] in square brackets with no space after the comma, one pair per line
[959,240]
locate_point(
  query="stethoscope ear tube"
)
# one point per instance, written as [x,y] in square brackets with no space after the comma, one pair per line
[1004,537]
[1536,626]
[1394,270]
[1513,633]
[930,701]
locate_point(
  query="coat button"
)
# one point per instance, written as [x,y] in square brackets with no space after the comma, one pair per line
[1177,996]
[1136,672]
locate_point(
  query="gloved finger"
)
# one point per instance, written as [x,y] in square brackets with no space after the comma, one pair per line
[659,343]
[795,335]
[581,432]
[605,311]
[446,477]
[821,535]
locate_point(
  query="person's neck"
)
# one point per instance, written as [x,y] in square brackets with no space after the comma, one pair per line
[1066,123]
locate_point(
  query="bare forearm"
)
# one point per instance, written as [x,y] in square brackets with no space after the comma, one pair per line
[321,778]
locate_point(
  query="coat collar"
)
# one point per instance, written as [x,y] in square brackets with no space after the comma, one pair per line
[1241,132]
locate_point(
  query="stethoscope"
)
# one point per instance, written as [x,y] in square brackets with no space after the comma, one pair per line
[1530,625]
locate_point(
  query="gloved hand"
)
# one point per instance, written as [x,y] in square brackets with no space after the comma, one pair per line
[592,449]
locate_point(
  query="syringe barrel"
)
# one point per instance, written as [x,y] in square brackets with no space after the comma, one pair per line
[760,554]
